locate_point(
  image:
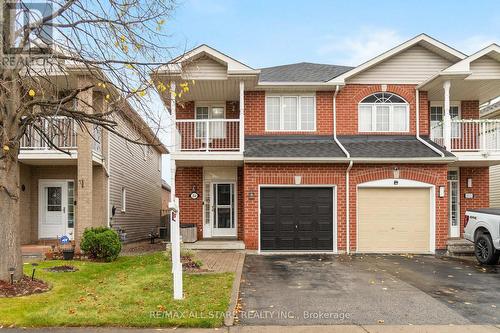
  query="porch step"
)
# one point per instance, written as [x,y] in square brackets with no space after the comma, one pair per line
[34,252]
[460,247]
[215,245]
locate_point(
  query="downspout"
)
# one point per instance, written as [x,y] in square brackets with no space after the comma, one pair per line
[348,156]
[417,105]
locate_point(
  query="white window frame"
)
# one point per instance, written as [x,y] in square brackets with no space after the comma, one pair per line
[299,112]
[210,106]
[124,199]
[374,116]
[440,104]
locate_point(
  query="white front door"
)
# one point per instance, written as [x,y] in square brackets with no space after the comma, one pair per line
[453,203]
[52,206]
[223,209]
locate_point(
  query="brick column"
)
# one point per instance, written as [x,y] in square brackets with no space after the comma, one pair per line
[84,218]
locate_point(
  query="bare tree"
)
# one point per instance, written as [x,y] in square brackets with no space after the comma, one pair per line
[51,57]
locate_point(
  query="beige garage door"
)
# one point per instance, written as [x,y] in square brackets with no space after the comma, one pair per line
[393,220]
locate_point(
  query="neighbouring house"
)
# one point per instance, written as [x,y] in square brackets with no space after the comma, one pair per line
[165,195]
[384,157]
[103,181]
[492,111]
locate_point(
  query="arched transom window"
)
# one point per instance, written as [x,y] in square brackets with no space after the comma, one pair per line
[383,112]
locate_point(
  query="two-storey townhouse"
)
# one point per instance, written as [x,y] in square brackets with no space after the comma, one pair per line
[384,157]
[101,180]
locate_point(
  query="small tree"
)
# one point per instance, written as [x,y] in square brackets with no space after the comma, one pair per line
[110,46]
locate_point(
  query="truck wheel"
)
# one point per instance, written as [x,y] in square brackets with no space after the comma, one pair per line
[484,250]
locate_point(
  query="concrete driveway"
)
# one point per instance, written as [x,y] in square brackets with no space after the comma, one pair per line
[369,289]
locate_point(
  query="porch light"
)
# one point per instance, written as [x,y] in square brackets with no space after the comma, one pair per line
[441,191]
[251,195]
[469,182]
[395,172]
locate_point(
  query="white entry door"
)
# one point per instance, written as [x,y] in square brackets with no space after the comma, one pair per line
[223,209]
[52,206]
[454,203]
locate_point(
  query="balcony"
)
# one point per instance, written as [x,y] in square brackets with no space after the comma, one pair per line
[208,135]
[62,132]
[481,135]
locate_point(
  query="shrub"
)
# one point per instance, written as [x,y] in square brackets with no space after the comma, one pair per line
[101,243]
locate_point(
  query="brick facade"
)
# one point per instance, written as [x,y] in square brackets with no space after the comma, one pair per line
[470,109]
[480,189]
[191,210]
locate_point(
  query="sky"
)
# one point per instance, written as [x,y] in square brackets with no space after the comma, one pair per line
[268,33]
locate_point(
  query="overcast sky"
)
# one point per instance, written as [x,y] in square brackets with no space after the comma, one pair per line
[267,33]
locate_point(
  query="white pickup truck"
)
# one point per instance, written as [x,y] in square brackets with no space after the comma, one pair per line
[482,227]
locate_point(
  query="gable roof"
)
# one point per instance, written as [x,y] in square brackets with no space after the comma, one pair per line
[302,72]
[233,66]
[422,39]
[463,66]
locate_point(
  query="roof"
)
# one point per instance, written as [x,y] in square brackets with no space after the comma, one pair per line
[302,72]
[324,147]
[165,185]
[292,146]
[390,146]
[490,108]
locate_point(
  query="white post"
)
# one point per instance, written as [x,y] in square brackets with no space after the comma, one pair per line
[173,115]
[242,116]
[175,237]
[447,117]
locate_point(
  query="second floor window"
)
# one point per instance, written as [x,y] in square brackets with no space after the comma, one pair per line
[216,129]
[290,113]
[383,112]
[437,114]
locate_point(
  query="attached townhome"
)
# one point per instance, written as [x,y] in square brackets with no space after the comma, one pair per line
[384,157]
[100,180]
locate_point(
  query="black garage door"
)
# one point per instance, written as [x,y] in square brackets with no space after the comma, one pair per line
[299,218]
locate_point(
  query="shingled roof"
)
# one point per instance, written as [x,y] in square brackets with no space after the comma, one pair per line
[302,72]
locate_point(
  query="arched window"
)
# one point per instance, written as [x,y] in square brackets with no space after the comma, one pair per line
[383,112]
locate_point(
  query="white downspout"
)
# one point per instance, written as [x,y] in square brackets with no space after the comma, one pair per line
[347,219]
[417,106]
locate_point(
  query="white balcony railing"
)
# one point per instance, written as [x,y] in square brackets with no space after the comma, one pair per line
[208,135]
[61,131]
[470,135]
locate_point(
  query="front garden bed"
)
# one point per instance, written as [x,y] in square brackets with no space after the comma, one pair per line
[25,286]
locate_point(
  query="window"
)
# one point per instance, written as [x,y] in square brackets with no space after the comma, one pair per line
[71,204]
[383,112]
[124,199]
[217,129]
[437,114]
[290,113]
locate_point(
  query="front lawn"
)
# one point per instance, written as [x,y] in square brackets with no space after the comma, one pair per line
[132,291]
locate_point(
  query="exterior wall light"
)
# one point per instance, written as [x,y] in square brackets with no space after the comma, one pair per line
[395,172]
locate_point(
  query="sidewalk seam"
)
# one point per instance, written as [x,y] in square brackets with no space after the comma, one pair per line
[229,319]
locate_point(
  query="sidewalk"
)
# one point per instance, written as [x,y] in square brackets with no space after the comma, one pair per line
[279,329]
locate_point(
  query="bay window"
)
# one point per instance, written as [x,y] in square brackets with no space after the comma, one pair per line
[383,112]
[290,113]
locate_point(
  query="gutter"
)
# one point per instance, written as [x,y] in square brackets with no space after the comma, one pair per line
[417,104]
[351,162]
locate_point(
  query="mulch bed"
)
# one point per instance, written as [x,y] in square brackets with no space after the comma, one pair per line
[143,247]
[191,266]
[61,269]
[23,287]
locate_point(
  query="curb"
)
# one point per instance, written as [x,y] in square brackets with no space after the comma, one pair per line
[229,319]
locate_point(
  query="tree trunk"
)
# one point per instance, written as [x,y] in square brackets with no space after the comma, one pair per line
[10,242]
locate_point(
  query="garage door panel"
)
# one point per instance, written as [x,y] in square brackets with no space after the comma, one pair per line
[393,220]
[303,219]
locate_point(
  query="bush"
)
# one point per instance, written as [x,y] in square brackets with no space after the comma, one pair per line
[101,243]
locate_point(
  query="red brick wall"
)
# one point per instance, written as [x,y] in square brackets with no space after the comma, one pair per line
[191,210]
[255,114]
[470,109]
[432,174]
[480,188]
[347,110]
[241,205]
[334,174]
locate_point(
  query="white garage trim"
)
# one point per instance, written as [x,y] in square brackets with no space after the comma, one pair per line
[403,183]
[334,198]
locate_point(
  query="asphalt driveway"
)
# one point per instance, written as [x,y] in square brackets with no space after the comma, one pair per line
[369,289]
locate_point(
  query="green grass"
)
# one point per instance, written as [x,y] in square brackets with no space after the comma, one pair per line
[121,293]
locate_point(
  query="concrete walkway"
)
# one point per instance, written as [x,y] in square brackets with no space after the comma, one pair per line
[279,329]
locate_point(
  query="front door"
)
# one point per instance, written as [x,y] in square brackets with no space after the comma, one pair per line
[223,210]
[453,204]
[53,198]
